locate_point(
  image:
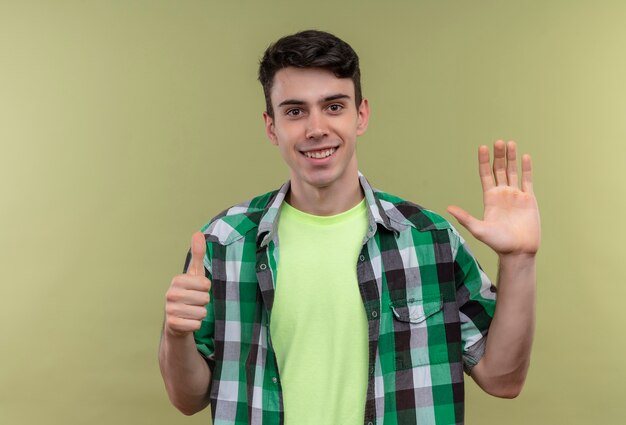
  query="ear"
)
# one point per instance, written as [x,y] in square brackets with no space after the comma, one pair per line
[364,116]
[269,128]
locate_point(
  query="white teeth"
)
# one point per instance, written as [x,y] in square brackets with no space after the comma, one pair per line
[320,154]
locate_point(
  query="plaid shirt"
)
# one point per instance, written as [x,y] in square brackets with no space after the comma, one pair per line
[428,305]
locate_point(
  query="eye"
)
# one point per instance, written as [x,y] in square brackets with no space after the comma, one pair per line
[294,112]
[335,107]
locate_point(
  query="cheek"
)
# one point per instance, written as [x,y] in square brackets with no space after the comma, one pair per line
[284,133]
[286,151]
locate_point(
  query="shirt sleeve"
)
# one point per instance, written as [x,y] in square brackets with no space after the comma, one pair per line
[476,299]
[204,337]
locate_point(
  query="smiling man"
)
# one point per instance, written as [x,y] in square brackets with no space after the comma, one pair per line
[330,302]
[315,126]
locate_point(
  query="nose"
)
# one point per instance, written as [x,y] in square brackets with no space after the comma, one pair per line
[316,126]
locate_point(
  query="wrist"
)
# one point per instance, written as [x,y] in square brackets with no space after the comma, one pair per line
[517,260]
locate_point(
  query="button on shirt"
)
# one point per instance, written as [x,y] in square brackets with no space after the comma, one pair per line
[427,302]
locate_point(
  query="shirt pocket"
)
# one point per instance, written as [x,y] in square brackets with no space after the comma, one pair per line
[416,311]
[419,332]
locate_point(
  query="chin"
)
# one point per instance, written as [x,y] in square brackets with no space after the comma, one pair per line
[322,180]
[319,182]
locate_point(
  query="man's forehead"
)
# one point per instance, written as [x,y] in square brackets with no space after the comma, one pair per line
[309,84]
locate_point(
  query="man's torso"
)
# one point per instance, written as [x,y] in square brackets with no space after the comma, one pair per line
[427,304]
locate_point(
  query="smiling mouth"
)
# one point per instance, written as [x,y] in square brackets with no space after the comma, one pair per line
[321,154]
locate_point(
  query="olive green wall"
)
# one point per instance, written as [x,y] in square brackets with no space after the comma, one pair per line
[126,125]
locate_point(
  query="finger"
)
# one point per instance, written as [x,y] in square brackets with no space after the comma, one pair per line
[182,295]
[527,174]
[198,251]
[484,168]
[499,163]
[181,326]
[466,219]
[191,282]
[183,311]
[511,164]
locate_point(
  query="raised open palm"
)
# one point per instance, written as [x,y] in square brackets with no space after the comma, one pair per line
[510,223]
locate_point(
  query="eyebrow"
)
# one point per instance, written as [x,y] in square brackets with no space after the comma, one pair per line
[302,102]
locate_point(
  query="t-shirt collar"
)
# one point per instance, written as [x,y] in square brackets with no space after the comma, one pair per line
[376,214]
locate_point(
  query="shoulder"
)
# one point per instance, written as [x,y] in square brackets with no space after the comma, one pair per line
[235,222]
[401,211]
[408,216]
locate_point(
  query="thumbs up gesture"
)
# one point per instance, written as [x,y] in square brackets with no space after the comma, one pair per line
[188,294]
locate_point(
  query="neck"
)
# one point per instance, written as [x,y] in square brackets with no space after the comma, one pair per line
[329,200]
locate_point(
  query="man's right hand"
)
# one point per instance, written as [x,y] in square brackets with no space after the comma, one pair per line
[186,374]
[188,294]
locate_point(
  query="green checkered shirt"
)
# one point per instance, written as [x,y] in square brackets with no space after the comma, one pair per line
[427,302]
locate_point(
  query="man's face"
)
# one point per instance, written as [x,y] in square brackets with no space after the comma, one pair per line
[315,126]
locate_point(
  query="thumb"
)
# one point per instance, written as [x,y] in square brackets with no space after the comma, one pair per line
[198,251]
[466,219]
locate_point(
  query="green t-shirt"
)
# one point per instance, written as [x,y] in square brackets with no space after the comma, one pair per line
[318,326]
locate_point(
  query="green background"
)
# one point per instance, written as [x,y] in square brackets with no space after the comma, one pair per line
[124,125]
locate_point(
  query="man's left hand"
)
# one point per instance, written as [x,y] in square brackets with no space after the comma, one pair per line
[510,223]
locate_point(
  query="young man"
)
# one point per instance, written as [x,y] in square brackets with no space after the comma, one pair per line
[329,302]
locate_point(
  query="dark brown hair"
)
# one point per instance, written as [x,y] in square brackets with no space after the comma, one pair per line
[309,49]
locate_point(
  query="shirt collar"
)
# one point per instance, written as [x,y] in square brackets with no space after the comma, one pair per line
[376,214]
